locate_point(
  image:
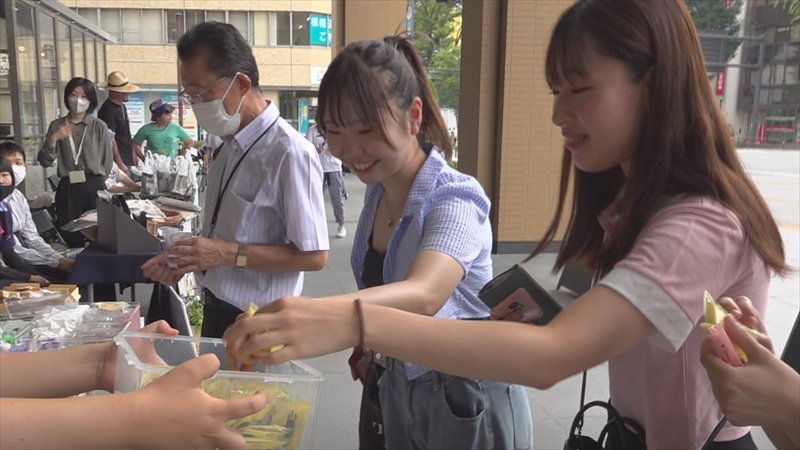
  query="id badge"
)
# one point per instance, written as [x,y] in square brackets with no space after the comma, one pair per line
[77,176]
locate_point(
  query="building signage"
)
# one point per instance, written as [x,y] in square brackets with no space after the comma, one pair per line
[319,29]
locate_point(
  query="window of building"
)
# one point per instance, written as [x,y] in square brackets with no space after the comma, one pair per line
[101,61]
[215,16]
[791,74]
[89,14]
[64,57]
[239,20]
[78,62]
[260,20]
[152,27]
[763,97]
[300,28]
[48,63]
[109,21]
[91,61]
[6,127]
[793,52]
[174,24]
[281,22]
[782,35]
[27,72]
[193,18]
[131,26]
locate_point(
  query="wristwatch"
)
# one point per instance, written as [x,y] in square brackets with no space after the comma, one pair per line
[241,257]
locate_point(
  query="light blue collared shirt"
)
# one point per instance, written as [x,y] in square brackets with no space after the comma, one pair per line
[446,211]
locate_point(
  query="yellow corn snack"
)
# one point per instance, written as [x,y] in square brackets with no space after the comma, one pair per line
[252,311]
[715,314]
[279,425]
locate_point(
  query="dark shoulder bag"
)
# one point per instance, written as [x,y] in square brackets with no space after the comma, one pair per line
[619,433]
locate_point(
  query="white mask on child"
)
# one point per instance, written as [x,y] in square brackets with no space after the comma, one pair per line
[19,174]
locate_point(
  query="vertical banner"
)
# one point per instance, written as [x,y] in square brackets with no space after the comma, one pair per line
[720,90]
[135,108]
[302,112]
[189,121]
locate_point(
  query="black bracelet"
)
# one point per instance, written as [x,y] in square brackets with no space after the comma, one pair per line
[360,319]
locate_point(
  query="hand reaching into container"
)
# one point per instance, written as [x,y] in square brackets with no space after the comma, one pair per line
[178,413]
[107,368]
[172,412]
[303,326]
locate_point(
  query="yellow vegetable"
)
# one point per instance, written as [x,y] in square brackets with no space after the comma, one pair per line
[252,311]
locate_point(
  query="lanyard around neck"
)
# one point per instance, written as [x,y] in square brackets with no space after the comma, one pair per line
[224,188]
[76,156]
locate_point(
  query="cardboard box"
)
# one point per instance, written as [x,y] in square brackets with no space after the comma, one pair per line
[69,289]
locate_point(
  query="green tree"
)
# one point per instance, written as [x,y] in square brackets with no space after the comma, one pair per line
[437,36]
[792,6]
[715,17]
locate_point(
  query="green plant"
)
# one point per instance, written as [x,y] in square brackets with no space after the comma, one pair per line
[194,309]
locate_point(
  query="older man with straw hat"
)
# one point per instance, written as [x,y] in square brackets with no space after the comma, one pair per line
[115,115]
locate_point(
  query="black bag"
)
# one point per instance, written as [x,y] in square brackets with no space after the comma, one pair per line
[619,433]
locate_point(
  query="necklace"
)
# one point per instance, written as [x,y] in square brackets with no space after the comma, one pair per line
[385,202]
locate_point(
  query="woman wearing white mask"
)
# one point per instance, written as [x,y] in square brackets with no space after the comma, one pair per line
[82,146]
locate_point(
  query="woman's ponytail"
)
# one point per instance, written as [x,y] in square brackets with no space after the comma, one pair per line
[433,128]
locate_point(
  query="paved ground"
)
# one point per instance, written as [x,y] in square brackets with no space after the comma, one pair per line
[776,173]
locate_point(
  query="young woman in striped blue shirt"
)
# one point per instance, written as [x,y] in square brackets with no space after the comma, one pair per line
[422,245]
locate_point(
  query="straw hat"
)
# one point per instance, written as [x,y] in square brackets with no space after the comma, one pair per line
[118,81]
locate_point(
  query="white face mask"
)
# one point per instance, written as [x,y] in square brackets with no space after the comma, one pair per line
[78,104]
[211,115]
[19,174]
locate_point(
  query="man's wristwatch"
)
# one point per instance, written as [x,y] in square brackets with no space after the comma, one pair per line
[241,256]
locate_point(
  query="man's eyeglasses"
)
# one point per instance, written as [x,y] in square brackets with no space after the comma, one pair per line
[193,98]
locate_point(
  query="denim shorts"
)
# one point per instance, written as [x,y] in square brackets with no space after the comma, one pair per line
[438,410]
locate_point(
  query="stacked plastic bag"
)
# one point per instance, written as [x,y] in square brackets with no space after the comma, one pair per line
[164,175]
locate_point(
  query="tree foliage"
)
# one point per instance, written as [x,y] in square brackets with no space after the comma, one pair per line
[791,6]
[716,17]
[437,36]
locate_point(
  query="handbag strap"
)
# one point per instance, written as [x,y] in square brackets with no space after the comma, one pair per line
[583,399]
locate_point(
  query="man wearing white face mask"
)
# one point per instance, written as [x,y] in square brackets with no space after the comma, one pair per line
[82,146]
[264,216]
[39,256]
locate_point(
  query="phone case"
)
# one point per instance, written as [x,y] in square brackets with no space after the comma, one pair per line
[722,345]
[515,295]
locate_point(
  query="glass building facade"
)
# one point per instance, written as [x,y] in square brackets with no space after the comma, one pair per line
[42,46]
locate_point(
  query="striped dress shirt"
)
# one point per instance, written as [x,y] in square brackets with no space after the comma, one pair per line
[28,244]
[274,198]
[446,211]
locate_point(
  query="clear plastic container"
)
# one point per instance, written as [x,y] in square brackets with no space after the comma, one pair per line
[85,324]
[18,308]
[292,389]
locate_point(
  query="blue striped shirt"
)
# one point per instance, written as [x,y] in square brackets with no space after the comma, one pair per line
[448,212]
[274,198]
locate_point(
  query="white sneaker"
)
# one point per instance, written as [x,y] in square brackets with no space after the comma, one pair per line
[341,231]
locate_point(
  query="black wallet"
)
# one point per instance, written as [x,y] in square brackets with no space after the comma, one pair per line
[515,295]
